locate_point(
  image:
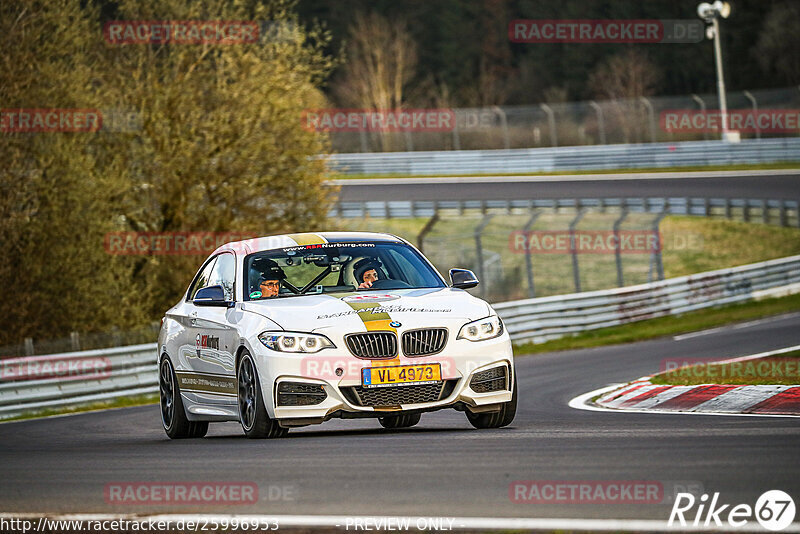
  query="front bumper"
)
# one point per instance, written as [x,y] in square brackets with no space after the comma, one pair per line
[338,374]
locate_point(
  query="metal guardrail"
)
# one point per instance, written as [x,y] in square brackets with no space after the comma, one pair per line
[591,157]
[124,371]
[545,318]
[782,212]
[75,378]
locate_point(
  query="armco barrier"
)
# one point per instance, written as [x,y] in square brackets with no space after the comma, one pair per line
[123,371]
[587,157]
[783,210]
[542,319]
[132,370]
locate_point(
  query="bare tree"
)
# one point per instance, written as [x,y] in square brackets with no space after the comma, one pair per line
[381,60]
[622,80]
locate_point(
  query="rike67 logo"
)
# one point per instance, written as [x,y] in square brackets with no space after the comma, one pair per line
[774,510]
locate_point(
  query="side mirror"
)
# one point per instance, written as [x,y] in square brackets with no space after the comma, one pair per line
[211,296]
[463,278]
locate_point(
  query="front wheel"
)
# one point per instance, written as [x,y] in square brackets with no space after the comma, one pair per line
[496,419]
[400,421]
[256,423]
[173,415]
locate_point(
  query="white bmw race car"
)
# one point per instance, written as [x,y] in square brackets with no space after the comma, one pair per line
[292,330]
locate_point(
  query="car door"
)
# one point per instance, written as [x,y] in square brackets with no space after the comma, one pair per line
[211,375]
[182,337]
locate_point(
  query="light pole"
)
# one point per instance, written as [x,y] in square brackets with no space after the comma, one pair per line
[711,13]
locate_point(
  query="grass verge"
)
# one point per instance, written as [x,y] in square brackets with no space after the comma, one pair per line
[121,402]
[781,369]
[667,326]
[694,168]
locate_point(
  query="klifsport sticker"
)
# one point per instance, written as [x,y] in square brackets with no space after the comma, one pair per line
[367,299]
[255,295]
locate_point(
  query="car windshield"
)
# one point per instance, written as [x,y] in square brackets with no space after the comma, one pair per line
[336,267]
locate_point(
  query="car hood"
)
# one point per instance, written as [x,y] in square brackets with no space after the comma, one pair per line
[357,312]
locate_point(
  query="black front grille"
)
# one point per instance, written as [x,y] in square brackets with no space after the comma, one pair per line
[397,395]
[300,394]
[372,345]
[424,342]
[493,379]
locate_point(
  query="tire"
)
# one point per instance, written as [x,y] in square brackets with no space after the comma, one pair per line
[173,414]
[499,419]
[400,421]
[253,416]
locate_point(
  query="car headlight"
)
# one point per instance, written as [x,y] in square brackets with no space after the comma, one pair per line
[485,328]
[294,341]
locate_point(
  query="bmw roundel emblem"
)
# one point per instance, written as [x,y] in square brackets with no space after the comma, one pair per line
[395,324]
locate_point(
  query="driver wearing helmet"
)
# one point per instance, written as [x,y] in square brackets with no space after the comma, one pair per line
[366,272]
[269,283]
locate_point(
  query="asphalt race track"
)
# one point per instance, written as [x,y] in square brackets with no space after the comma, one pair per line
[442,467]
[733,184]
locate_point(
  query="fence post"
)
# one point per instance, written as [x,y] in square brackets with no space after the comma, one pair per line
[456,137]
[601,126]
[749,96]
[28,346]
[655,256]
[797,214]
[479,251]
[782,213]
[426,229]
[75,341]
[116,336]
[364,143]
[617,254]
[504,122]
[551,120]
[702,108]
[576,275]
[528,259]
[651,116]
[409,143]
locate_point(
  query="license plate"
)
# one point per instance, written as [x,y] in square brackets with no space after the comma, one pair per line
[375,377]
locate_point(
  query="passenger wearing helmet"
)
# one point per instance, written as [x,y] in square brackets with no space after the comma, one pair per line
[366,272]
[269,282]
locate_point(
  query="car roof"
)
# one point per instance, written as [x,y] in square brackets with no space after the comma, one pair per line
[258,244]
